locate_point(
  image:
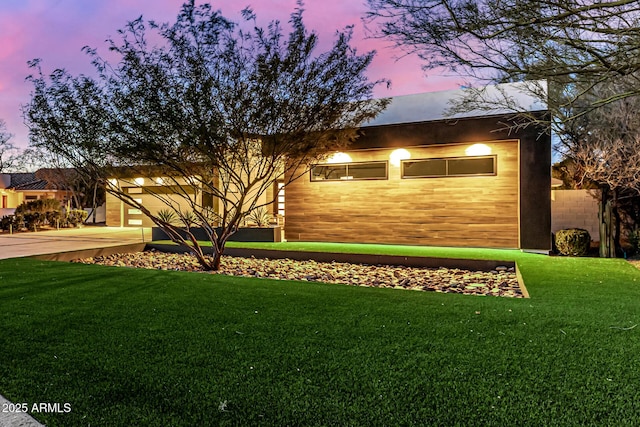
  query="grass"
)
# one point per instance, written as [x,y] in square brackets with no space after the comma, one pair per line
[139,347]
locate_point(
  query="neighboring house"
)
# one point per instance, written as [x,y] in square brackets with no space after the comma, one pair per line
[16,188]
[418,177]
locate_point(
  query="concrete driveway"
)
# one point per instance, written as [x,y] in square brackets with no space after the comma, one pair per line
[69,239]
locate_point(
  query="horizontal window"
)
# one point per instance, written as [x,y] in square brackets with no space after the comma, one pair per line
[349,171]
[452,166]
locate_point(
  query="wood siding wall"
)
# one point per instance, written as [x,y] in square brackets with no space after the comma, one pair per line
[479,211]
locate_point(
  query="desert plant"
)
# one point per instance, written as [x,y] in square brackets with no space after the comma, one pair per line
[189,219]
[168,216]
[260,217]
[573,241]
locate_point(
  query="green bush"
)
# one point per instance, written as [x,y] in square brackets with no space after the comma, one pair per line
[7,222]
[634,241]
[77,216]
[573,241]
[40,205]
[54,218]
[34,213]
[34,219]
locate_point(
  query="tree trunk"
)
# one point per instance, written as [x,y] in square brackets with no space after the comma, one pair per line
[93,202]
[608,225]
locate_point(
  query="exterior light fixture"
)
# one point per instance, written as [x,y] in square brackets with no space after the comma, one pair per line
[339,158]
[160,181]
[139,181]
[398,155]
[113,182]
[478,150]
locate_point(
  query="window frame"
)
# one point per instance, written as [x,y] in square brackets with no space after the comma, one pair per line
[386,171]
[494,157]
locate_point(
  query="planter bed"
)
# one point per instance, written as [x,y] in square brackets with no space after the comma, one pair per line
[501,281]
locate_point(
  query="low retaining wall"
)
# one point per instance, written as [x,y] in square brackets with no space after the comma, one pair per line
[249,234]
[87,253]
[409,261]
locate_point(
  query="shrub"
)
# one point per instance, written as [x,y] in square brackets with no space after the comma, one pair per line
[260,217]
[77,216]
[634,241]
[40,205]
[573,241]
[33,219]
[34,213]
[168,216]
[54,217]
[8,221]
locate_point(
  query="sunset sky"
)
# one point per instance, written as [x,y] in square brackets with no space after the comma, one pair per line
[56,31]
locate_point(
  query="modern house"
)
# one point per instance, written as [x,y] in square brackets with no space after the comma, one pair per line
[417,176]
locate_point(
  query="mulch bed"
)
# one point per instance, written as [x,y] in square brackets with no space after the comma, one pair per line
[499,282]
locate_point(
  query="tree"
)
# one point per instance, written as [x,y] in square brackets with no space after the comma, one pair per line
[10,155]
[577,46]
[604,145]
[210,110]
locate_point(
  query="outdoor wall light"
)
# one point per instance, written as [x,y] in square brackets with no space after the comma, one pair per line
[478,150]
[339,158]
[160,180]
[113,182]
[398,155]
[139,181]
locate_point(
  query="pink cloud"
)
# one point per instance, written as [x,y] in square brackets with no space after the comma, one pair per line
[56,30]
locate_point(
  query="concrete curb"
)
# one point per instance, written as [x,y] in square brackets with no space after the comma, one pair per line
[86,253]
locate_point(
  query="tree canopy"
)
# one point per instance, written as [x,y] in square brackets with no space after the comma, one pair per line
[575,45]
[229,108]
[10,155]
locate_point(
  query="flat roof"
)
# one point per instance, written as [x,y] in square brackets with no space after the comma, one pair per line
[433,106]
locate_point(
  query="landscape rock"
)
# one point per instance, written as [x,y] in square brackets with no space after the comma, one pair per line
[500,282]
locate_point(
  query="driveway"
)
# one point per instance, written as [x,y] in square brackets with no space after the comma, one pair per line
[69,239]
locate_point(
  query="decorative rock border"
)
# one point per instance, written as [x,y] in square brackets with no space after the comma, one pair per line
[502,281]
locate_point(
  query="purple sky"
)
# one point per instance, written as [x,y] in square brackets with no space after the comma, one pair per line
[56,30]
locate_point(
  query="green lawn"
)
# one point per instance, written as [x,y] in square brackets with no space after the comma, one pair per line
[138,347]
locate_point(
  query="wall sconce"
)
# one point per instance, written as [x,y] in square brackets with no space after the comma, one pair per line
[113,182]
[478,150]
[339,158]
[160,181]
[398,155]
[139,181]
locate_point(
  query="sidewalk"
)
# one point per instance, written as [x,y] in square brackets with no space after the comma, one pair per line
[69,239]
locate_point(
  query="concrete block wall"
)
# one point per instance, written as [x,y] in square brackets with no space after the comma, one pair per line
[574,209]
